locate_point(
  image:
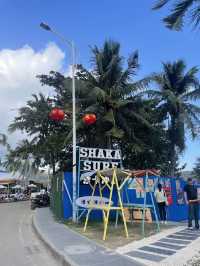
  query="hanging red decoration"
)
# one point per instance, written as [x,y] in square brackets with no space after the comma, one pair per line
[61,114]
[89,119]
[57,114]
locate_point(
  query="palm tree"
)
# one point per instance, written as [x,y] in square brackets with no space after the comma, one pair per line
[110,94]
[4,141]
[181,9]
[177,91]
[46,137]
[20,160]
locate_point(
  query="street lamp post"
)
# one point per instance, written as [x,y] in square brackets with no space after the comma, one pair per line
[72,47]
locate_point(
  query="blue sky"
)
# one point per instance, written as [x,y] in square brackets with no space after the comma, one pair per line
[90,22]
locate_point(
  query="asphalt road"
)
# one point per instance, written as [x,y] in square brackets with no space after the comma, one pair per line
[19,245]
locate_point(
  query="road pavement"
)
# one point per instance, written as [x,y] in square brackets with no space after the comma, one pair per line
[19,245]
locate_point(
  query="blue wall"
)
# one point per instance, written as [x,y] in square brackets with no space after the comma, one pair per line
[175,212]
[85,190]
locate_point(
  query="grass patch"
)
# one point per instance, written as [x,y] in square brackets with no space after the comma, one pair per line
[115,236]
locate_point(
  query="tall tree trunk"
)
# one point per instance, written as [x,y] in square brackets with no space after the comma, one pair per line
[172,160]
[172,137]
[109,142]
[53,164]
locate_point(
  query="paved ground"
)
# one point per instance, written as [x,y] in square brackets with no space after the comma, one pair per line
[75,248]
[19,245]
[173,247]
[176,246]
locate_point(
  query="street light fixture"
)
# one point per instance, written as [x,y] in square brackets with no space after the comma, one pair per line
[72,48]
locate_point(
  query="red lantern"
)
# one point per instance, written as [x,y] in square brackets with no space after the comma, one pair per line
[57,114]
[89,119]
[61,114]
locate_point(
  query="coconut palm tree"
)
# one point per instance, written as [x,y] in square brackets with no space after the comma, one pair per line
[18,160]
[46,137]
[181,9]
[4,141]
[110,94]
[177,91]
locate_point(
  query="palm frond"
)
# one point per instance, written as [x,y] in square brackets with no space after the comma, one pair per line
[191,120]
[170,97]
[141,119]
[160,3]
[4,141]
[192,95]
[86,75]
[115,133]
[157,78]
[151,94]
[195,14]
[133,63]
[178,12]
[141,84]
[193,110]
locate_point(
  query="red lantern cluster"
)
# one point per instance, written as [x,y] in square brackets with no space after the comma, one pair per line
[57,114]
[89,119]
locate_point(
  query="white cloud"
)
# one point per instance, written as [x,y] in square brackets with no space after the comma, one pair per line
[18,70]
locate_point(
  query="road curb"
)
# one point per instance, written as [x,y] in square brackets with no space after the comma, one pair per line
[64,260]
[70,248]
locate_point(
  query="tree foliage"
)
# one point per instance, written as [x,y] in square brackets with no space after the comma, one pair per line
[196,169]
[181,11]
[111,94]
[176,91]
[45,143]
[131,114]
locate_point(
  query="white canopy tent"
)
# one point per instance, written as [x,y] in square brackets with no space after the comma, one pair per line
[32,186]
[17,187]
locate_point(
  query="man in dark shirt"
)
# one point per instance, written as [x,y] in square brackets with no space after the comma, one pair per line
[191,198]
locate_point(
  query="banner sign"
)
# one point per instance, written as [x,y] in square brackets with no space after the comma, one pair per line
[138,185]
[179,193]
[93,159]
[166,184]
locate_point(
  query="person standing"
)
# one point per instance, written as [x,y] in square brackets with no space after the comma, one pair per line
[161,200]
[191,199]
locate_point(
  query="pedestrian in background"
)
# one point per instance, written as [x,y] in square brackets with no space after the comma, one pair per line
[161,200]
[191,199]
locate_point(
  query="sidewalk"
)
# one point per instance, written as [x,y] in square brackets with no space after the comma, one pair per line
[73,249]
[172,247]
[177,246]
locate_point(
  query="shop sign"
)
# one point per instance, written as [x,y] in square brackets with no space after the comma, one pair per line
[93,159]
